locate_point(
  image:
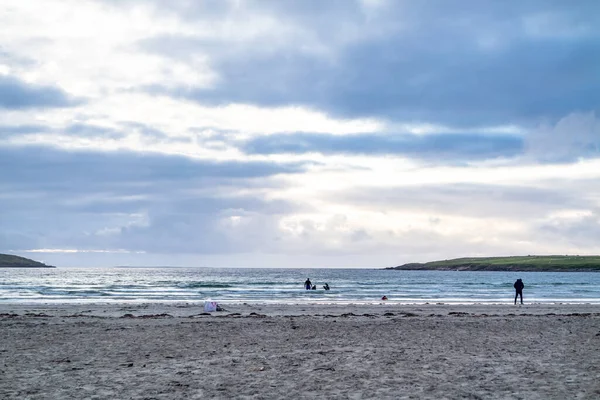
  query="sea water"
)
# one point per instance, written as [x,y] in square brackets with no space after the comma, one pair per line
[286,286]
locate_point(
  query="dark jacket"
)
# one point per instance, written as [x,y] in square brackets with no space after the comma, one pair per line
[519,285]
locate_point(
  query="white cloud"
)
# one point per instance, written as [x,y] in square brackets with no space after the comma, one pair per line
[110,251]
[88,48]
[188,127]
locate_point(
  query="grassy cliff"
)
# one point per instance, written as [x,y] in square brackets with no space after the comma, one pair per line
[10,261]
[520,263]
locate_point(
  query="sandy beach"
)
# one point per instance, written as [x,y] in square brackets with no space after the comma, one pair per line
[175,351]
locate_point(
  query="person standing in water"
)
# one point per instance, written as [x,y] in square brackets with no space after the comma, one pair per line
[307,284]
[519,290]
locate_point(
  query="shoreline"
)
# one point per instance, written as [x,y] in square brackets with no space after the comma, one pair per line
[187,309]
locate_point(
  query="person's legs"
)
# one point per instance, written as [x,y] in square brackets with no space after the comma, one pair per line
[519,294]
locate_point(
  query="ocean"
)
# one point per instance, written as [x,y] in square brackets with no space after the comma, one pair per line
[285,286]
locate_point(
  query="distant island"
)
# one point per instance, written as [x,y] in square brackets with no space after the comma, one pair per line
[11,261]
[517,263]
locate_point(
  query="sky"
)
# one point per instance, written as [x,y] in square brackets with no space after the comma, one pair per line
[298,133]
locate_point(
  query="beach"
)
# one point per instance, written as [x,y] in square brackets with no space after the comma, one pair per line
[176,351]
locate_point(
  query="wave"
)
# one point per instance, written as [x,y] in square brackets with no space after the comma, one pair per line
[232,284]
[280,286]
[570,284]
[194,285]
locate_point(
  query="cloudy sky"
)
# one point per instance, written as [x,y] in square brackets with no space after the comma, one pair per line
[304,133]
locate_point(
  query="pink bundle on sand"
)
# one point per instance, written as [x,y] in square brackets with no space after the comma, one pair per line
[210,306]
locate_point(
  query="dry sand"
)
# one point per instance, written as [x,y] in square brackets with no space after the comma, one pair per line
[258,351]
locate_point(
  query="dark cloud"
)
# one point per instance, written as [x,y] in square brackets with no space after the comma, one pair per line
[389,80]
[202,223]
[16,130]
[138,202]
[444,148]
[90,131]
[203,233]
[73,170]
[442,62]
[16,94]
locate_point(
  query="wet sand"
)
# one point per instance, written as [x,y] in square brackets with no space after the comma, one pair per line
[162,351]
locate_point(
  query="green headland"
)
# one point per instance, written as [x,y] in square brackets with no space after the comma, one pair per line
[518,263]
[11,261]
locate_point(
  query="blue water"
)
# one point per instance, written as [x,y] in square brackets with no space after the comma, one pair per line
[105,285]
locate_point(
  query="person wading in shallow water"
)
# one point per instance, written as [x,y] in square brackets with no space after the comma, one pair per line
[519,290]
[307,284]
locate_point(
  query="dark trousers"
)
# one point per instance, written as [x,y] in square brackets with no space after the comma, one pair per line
[519,293]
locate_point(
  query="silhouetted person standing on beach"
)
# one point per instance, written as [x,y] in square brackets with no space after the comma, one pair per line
[519,290]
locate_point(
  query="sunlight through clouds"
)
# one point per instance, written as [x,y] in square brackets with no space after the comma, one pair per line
[359,130]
